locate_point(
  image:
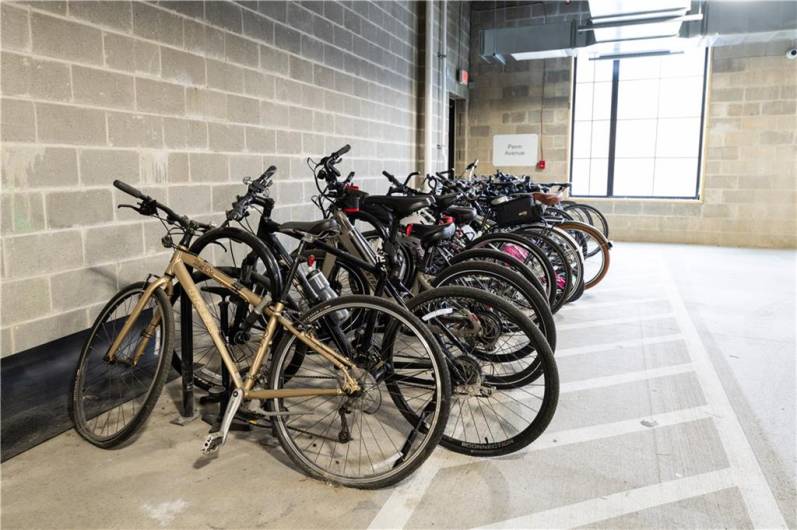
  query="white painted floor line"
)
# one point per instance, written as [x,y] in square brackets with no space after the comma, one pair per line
[600,290]
[761,505]
[399,507]
[628,377]
[589,305]
[631,319]
[608,346]
[623,503]
[608,430]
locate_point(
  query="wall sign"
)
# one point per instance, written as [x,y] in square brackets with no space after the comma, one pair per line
[512,150]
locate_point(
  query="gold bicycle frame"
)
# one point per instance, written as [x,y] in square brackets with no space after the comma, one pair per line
[177,268]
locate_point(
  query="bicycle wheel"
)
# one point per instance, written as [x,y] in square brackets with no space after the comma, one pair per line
[362,441]
[520,248]
[595,248]
[589,215]
[226,309]
[568,257]
[513,264]
[501,281]
[242,256]
[112,400]
[498,406]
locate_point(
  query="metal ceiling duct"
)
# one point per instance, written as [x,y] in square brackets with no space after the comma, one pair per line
[620,28]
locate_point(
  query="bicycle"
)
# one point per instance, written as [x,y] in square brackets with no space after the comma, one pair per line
[125,360]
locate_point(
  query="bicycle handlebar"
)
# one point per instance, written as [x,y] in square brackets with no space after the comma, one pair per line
[149,205]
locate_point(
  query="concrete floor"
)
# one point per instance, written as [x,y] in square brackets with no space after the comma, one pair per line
[677,410]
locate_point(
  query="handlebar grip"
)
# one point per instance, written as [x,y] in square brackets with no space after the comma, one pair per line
[270,171]
[390,177]
[342,151]
[130,190]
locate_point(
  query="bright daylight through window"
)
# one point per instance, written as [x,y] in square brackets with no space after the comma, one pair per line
[637,126]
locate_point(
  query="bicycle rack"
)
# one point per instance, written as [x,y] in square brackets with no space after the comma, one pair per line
[188,412]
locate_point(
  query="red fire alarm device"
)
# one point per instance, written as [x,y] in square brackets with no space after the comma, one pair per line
[541,164]
[462,77]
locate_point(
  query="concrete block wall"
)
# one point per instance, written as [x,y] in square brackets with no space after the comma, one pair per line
[749,177]
[181,99]
[521,97]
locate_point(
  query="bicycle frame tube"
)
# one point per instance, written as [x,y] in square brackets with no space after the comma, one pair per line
[177,268]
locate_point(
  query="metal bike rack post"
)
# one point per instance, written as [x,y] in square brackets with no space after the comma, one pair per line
[188,411]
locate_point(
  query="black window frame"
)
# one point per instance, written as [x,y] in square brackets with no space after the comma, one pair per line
[613,132]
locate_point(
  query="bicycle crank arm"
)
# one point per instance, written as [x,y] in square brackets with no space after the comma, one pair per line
[215,440]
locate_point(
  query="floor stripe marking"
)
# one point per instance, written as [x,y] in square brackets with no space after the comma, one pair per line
[399,507]
[761,505]
[623,503]
[586,305]
[613,321]
[607,346]
[628,377]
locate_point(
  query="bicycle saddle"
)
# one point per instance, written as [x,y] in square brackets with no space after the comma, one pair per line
[442,202]
[549,199]
[400,206]
[430,234]
[315,228]
[461,214]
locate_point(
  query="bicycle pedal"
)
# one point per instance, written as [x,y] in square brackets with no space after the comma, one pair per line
[212,443]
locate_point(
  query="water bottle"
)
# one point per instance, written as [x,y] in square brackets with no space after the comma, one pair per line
[322,291]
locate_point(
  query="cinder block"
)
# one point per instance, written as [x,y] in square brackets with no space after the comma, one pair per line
[17,121]
[117,14]
[134,130]
[154,166]
[191,199]
[203,39]
[240,50]
[208,167]
[205,103]
[156,24]
[55,37]
[258,84]
[226,137]
[289,142]
[102,88]
[25,76]
[258,27]
[70,125]
[224,15]
[779,107]
[223,196]
[37,254]
[132,55]
[245,166]
[83,287]
[109,244]
[14,34]
[26,167]
[761,93]
[156,96]
[100,167]
[184,68]
[181,134]
[260,140]
[243,110]
[25,299]
[66,209]
[22,212]
[178,167]
[225,76]
[43,330]
[301,70]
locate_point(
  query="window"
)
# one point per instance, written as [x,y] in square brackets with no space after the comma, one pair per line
[638,126]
